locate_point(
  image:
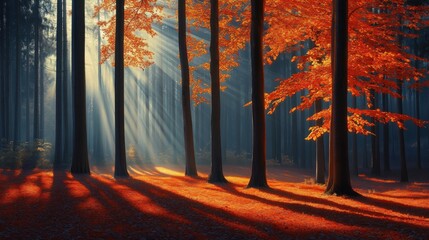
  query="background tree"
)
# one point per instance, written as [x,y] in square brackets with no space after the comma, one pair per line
[59,157]
[191,169]
[258,177]
[120,157]
[80,163]
[338,142]
[216,174]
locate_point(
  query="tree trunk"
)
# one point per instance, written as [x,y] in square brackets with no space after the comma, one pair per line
[6,78]
[386,140]
[419,160]
[375,155]
[338,152]
[258,178]
[98,137]
[120,157]
[2,64]
[17,123]
[58,157]
[404,171]
[80,164]
[42,94]
[36,123]
[66,107]
[354,168]
[191,169]
[320,148]
[216,174]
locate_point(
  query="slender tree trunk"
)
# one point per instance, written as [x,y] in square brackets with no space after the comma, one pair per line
[216,175]
[191,169]
[258,178]
[375,155]
[17,123]
[294,132]
[36,123]
[120,157]
[386,140]
[2,58]
[7,31]
[419,160]
[58,157]
[404,171]
[66,108]
[80,164]
[320,148]
[338,137]
[354,168]
[27,95]
[98,137]
[42,95]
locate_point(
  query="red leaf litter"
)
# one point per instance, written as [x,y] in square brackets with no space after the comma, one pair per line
[161,203]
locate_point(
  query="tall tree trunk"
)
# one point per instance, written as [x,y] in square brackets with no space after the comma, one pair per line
[354,168]
[216,174]
[419,160]
[17,123]
[375,155]
[36,123]
[386,140]
[2,64]
[294,132]
[27,95]
[120,157]
[7,31]
[58,157]
[258,177]
[191,169]
[42,94]
[98,137]
[404,171]
[66,107]
[320,148]
[338,152]
[80,163]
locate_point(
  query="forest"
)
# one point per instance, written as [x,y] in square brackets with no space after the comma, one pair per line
[214,119]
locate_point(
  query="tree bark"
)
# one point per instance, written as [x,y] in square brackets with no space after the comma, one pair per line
[58,157]
[216,174]
[2,79]
[354,168]
[404,171]
[66,107]
[338,152]
[375,154]
[386,140]
[120,157]
[320,148]
[191,169]
[17,123]
[258,178]
[36,123]
[80,164]
[419,160]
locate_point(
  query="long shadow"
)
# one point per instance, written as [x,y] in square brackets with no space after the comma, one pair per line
[347,218]
[402,208]
[205,221]
[296,197]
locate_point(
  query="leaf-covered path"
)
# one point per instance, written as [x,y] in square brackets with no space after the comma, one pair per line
[159,203]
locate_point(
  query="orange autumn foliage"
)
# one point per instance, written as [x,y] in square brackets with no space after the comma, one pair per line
[376,58]
[139,17]
[234,33]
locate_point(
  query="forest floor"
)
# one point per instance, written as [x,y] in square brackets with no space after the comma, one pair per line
[160,203]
